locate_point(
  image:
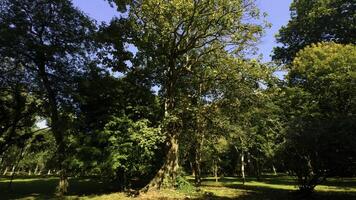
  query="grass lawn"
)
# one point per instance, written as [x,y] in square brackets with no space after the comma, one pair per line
[268,188]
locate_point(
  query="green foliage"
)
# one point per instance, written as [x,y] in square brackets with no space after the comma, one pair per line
[130,148]
[316,21]
[183,185]
[320,106]
[190,91]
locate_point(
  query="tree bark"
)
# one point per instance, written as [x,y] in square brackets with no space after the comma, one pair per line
[5,172]
[198,148]
[197,167]
[56,128]
[258,170]
[215,169]
[274,170]
[243,167]
[15,166]
[36,169]
[13,170]
[192,167]
[167,174]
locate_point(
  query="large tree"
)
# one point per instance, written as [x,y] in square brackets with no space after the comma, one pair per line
[48,39]
[320,107]
[316,21]
[173,39]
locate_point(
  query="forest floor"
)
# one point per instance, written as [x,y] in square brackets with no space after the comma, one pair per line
[228,188]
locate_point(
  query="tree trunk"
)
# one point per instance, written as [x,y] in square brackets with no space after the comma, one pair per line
[215,169]
[5,172]
[13,170]
[167,174]
[243,168]
[197,167]
[198,151]
[36,169]
[192,167]
[63,183]
[274,170]
[15,166]
[56,128]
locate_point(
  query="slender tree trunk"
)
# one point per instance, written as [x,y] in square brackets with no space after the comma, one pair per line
[198,148]
[215,169]
[197,167]
[243,167]
[274,170]
[13,170]
[39,171]
[258,165]
[15,166]
[5,172]
[192,167]
[36,169]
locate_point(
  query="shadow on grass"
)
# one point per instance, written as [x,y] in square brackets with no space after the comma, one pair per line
[279,188]
[226,189]
[266,193]
[341,182]
[45,188]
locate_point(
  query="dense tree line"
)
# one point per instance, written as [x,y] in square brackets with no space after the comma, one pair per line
[171,88]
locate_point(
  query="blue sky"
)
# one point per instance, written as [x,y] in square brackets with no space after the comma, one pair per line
[278,15]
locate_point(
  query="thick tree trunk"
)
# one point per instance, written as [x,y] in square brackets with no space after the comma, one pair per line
[56,128]
[167,174]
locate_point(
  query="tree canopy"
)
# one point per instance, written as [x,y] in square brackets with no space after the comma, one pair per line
[313,22]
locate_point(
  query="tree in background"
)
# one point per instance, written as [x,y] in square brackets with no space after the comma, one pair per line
[49,40]
[18,108]
[320,104]
[316,21]
[117,123]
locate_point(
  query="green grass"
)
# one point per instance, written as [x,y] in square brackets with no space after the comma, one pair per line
[267,188]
